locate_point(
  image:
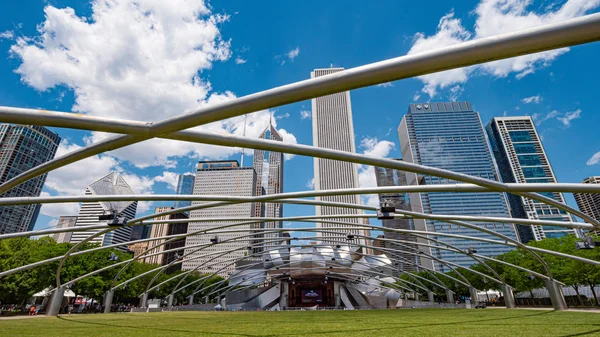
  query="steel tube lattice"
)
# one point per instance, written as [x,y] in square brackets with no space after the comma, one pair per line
[557,35]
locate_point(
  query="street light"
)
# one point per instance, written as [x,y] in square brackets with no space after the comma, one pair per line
[471,251]
[587,243]
[112,219]
[113,257]
[385,210]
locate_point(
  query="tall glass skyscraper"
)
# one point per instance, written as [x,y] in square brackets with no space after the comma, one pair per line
[269,180]
[23,147]
[450,136]
[185,185]
[521,159]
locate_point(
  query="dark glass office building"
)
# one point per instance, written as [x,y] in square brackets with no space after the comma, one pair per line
[450,136]
[185,185]
[521,158]
[23,147]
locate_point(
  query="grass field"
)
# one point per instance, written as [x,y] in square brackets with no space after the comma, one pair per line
[415,322]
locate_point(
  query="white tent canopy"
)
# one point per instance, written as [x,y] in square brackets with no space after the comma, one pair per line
[46,293]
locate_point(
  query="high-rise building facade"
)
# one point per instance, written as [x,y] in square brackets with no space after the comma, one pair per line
[404,260]
[65,222]
[269,180]
[333,128]
[589,203]
[185,186]
[23,147]
[220,178]
[167,229]
[450,136]
[111,184]
[521,158]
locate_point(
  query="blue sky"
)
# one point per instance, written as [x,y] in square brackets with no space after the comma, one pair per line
[155,60]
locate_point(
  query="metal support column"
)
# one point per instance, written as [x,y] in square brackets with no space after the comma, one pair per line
[449,296]
[170,302]
[285,290]
[416,294]
[56,302]
[556,295]
[336,293]
[509,297]
[431,297]
[144,300]
[108,297]
[191,300]
[474,297]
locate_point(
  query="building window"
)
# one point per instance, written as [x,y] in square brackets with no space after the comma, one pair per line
[520,136]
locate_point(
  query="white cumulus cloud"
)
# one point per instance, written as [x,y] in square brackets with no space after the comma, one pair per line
[311,184]
[170,178]
[142,60]
[495,17]
[240,60]
[595,159]
[292,54]
[305,114]
[532,99]
[366,174]
[569,116]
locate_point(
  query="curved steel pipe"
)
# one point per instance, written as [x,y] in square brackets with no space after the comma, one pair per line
[566,33]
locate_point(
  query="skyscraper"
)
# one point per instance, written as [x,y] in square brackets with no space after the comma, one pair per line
[111,184]
[333,129]
[269,180]
[521,158]
[400,201]
[65,222]
[589,203]
[450,136]
[166,229]
[23,147]
[224,177]
[185,185]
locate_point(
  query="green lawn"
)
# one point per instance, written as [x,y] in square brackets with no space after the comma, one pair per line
[415,322]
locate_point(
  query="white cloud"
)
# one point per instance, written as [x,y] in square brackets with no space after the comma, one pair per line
[140,60]
[532,99]
[539,118]
[74,178]
[450,31]
[239,60]
[569,116]
[386,85]
[288,138]
[495,17]
[565,118]
[310,184]
[170,178]
[366,174]
[292,54]
[7,34]
[56,210]
[455,93]
[305,114]
[595,159]
[129,59]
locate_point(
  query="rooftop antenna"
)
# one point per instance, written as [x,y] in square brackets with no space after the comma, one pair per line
[242,161]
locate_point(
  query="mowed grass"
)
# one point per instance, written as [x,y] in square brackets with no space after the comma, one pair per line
[405,322]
